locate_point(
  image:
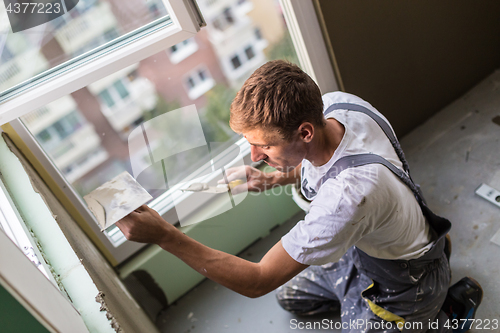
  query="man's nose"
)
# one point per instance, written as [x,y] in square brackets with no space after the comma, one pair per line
[256,154]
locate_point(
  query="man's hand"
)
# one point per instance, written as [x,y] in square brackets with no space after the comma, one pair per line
[259,181]
[145,225]
[256,180]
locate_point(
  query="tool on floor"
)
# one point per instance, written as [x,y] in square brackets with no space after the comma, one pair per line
[489,193]
[221,188]
[492,195]
[115,199]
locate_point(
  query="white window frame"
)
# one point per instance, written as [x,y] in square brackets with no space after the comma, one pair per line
[35,292]
[118,101]
[184,50]
[14,227]
[245,63]
[243,58]
[314,59]
[200,86]
[185,21]
[307,37]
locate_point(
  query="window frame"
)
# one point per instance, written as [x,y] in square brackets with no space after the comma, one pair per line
[182,52]
[192,92]
[185,20]
[307,37]
[118,254]
[14,228]
[35,292]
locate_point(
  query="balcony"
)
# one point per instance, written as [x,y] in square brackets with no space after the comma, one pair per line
[44,117]
[142,98]
[84,29]
[76,146]
[21,67]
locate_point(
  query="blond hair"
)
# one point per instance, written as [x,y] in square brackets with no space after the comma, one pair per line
[277,96]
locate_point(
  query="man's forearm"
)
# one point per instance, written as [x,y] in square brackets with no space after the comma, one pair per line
[230,271]
[247,278]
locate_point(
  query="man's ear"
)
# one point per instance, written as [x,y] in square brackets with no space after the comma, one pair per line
[306,132]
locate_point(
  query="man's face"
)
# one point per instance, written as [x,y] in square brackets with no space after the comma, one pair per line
[276,152]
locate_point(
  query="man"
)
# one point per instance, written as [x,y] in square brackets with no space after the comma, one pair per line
[369,246]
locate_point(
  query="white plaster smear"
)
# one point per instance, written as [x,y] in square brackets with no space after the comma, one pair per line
[496,238]
[115,199]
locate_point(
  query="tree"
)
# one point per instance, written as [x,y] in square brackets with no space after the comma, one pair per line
[216,116]
[162,106]
[283,49]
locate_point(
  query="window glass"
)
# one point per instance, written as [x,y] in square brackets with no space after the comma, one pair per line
[258,34]
[13,226]
[202,75]
[44,136]
[34,39]
[112,124]
[106,97]
[249,52]
[236,62]
[190,82]
[122,91]
[183,50]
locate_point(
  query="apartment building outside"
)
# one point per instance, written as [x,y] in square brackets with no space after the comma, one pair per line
[205,70]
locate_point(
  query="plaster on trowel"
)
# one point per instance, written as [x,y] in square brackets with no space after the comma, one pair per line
[116,199]
[221,188]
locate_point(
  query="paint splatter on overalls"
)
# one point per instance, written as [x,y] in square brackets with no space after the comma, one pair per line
[376,295]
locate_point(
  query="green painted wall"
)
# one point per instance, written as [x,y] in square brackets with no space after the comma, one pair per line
[14,318]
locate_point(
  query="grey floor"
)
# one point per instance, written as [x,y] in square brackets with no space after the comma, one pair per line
[450,156]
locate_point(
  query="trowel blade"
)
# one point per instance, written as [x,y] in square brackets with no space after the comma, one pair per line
[115,199]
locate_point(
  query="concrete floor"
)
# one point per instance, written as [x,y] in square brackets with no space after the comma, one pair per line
[450,156]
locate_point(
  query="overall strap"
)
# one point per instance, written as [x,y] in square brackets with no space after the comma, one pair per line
[441,225]
[352,161]
[380,121]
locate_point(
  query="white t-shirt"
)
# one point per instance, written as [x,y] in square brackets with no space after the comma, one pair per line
[366,206]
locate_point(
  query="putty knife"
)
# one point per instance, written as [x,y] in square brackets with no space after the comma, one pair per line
[221,188]
[115,199]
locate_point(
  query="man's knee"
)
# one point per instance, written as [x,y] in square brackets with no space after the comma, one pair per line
[289,300]
[297,302]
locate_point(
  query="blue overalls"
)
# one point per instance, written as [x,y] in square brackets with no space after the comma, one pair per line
[376,295]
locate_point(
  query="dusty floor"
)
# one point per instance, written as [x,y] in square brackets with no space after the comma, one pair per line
[450,156]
